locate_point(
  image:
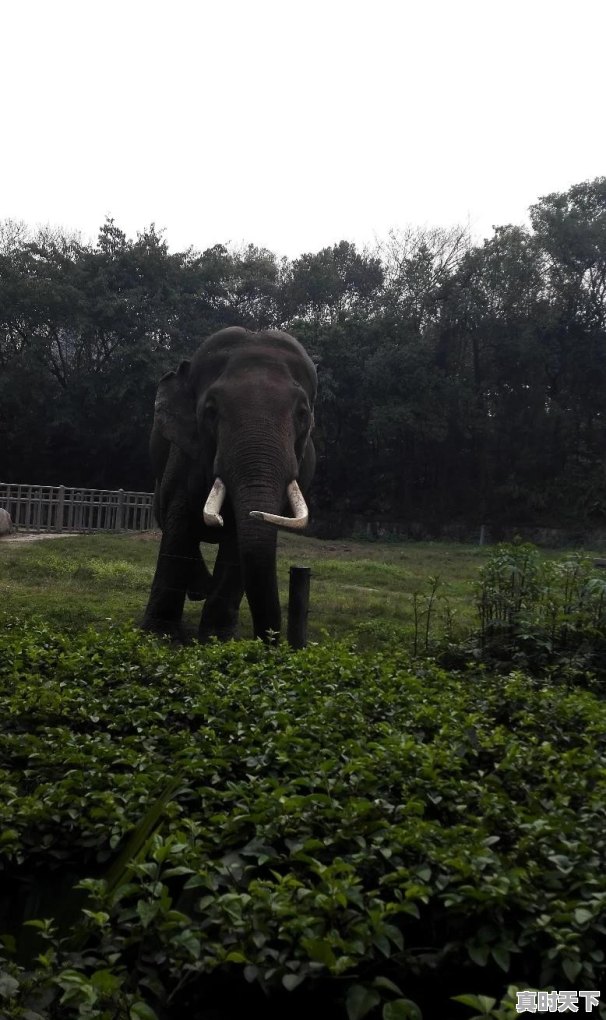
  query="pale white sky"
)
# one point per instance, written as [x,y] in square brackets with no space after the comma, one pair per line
[296,123]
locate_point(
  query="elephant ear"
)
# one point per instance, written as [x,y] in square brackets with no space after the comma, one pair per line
[175,411]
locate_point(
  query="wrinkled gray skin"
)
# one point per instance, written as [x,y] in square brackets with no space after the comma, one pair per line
[241,410]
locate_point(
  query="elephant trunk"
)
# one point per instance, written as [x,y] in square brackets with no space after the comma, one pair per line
[257,545]
[258,473]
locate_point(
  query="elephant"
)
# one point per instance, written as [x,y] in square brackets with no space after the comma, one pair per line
[232,453]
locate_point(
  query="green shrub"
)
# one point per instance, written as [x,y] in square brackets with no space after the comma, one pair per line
[538,613]
[351,833]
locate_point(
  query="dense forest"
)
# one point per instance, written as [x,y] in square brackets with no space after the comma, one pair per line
[457,382]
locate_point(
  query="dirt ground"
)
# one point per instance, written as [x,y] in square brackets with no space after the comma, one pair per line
[36,536]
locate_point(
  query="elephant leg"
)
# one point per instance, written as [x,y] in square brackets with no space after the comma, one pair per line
[220,614]
[177,572]
[201,580]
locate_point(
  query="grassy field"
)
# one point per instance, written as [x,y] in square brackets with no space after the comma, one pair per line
[373,828]
[358,588]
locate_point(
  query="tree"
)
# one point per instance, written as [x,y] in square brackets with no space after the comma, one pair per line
[333,282]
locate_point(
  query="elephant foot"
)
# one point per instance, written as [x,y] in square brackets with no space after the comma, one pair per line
[170,629]
[205,634]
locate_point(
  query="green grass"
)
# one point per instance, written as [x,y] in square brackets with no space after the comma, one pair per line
[356,586]
[74,582]
[360,587]
[372,593]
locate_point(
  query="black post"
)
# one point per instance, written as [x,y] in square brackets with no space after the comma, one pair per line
[298,606]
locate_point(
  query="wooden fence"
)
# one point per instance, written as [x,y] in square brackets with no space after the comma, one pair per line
[59,508]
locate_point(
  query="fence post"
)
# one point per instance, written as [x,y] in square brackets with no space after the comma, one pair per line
[120,514]
[60,509]
[78,500]
[298,606]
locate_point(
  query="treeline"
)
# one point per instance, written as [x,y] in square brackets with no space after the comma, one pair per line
[456,382]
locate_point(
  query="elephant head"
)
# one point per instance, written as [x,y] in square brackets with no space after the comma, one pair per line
[232,451]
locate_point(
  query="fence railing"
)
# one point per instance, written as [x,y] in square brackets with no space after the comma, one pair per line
[61,508]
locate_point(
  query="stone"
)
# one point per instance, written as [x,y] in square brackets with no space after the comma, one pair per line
[6,524]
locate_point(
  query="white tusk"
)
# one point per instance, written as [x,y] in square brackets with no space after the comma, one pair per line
[298,505]
[213,505]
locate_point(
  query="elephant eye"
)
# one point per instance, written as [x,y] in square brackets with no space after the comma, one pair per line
[303,418]
[210,414]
